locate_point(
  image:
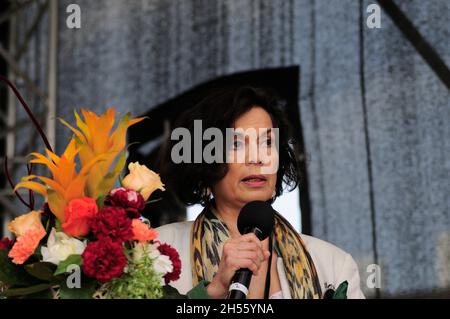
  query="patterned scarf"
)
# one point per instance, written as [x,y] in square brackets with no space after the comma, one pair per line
[209,234]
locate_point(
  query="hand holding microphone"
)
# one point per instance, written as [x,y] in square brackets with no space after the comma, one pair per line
[242,256]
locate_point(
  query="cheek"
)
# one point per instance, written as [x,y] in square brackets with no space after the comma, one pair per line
[273,180]
[233,174]
[274,162]
[229,182]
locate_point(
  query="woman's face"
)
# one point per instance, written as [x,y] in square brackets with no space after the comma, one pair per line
[253,177]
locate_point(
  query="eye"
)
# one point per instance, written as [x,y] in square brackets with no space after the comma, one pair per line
[268,141]
[237,144]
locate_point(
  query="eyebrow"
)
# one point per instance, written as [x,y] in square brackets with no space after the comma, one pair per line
[266,131]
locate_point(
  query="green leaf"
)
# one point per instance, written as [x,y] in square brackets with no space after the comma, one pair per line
[14,292]
[153,200]
[172,293]
[48,221]
[44,294]
[58,227]
[100,201]
[41,270]
[71,260]
[13,275]
[341,291]
[86,290]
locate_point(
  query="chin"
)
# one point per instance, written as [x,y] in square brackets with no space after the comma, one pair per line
[257,196]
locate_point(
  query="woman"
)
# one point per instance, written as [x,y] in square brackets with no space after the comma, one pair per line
[211,248]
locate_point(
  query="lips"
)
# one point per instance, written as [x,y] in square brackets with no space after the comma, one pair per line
[254,180]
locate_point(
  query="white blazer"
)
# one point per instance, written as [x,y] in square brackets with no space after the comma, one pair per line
[333,265]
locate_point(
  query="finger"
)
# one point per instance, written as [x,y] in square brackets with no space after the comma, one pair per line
[243,262]
[253,256]
[249,264]
[246,246]
[251,238]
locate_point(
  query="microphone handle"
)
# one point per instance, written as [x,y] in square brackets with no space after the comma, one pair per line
[241,279]
[239,284]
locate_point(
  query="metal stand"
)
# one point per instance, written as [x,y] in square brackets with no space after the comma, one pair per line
[41,97]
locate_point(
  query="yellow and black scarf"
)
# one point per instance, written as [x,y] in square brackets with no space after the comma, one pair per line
[209,234]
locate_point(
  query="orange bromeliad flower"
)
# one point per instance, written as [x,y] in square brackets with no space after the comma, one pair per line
[94,138]
[94,143]
[66,184]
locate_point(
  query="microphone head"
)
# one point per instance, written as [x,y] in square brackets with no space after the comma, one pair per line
[256,214]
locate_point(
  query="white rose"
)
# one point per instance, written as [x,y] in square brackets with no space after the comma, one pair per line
[60,246]
[142,180]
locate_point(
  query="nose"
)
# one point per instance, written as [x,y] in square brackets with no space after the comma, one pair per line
[253,155]
[255,162]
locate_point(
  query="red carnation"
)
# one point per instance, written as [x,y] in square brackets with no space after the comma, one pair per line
[112,222]
[129,199]
[168,250]
[104,260]
[6,243]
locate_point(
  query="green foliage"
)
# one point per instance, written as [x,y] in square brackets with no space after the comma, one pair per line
[32,280]
[100,201]
[3,287]
[13,275]
[41,270]
[341,291]
[49,221]
[16,292]
[85,291]
[172,293]
[71,260]
[43,294]
[58,226]
[140,281]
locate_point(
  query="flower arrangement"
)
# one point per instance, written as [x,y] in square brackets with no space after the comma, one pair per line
[89,239]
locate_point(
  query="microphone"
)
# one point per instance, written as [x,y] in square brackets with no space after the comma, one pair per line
[255,217]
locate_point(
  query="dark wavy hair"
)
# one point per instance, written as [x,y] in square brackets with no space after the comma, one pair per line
[190,181]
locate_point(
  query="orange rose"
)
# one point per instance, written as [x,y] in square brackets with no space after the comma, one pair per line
[20,225]
[78,213]
[142,232]
[142,180]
